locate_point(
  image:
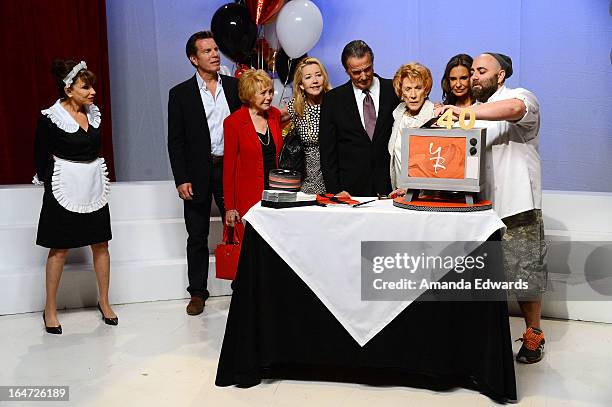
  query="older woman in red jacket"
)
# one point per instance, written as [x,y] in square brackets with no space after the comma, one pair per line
[252,143]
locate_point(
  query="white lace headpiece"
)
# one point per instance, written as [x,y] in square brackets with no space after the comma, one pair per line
[70,77]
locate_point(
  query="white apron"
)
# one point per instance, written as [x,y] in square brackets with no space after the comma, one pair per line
[81,187]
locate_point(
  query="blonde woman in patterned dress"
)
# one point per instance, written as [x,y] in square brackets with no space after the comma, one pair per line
[310,83]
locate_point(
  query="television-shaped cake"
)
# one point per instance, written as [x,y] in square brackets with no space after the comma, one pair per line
[443,159]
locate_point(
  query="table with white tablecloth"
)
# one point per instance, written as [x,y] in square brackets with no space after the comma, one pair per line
[297,309]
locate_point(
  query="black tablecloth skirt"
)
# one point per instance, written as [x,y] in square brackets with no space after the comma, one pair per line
[278,328]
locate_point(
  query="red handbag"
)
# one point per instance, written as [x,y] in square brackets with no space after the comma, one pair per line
[227,254]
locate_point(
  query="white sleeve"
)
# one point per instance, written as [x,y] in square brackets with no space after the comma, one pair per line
[531,118]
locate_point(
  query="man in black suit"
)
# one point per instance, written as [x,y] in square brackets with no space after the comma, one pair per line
[196,110]
[356,123]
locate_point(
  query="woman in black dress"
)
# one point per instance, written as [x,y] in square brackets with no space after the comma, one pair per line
[75,202]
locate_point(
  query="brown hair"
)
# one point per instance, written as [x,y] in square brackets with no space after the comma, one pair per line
[355,49]
[458,60]
[61,68]
[190,47]
[299,97]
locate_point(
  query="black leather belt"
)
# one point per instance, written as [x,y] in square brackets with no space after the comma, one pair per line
[217,159]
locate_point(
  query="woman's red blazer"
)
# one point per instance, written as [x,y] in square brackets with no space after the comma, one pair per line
[243,173]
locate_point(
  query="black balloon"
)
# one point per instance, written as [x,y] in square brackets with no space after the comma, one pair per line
[234,32]
[284,68]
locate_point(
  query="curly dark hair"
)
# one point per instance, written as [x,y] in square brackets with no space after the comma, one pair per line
[458,60]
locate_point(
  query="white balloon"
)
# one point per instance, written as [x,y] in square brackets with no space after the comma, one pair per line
[282,94]
[270,35]
[298,27]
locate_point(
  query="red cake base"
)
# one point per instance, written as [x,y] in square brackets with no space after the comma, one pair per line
[434,204]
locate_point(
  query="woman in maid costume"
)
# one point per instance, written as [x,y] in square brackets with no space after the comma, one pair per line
[75,202]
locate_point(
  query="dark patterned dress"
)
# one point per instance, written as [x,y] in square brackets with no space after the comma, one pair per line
[60,136]
[308,129]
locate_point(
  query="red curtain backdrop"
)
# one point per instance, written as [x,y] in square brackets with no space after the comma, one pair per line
[32,34]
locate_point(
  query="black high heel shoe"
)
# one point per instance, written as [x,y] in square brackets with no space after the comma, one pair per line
[108,321]
[56,330]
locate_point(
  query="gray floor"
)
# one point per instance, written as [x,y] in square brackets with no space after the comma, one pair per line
[158,356]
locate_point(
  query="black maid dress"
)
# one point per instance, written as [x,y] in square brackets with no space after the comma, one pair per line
[62,226]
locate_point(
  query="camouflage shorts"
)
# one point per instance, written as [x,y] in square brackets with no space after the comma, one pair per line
[525,252]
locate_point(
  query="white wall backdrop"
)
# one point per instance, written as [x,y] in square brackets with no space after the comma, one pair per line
[146,40]
[561,51]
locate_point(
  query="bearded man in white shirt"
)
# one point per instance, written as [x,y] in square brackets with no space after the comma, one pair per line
[512,120]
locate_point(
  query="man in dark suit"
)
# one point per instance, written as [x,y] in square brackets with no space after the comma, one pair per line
[196,110]
[356,123]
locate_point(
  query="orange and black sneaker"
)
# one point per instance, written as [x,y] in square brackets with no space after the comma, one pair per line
[532,350]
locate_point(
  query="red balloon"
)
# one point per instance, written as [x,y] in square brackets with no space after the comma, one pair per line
[262,11]
[240,69]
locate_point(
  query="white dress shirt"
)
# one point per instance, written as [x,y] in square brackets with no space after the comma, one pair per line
[374,92]
[514,175]
[217,110]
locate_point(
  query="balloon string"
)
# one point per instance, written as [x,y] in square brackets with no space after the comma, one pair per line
[288,71]
[286,80]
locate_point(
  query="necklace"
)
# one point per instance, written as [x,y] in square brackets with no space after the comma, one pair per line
[268,137]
